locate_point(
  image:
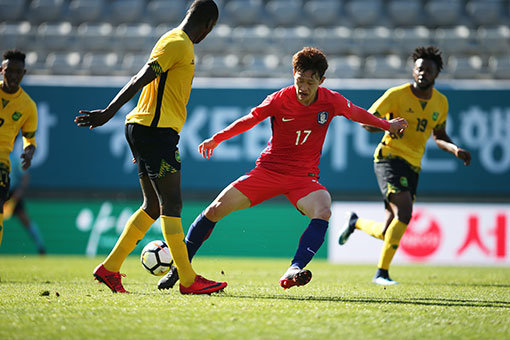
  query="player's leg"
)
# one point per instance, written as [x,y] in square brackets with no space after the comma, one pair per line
[134,231]
[402,206]
[228,201]
[317,206]
[375,228]
[31,227]
[137,225]
[4,191]
[168,189]
[1,218]
[135,228]
[1,222]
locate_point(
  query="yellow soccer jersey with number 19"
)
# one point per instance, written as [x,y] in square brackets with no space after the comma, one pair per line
[163,102]
[17,112]
[423,116]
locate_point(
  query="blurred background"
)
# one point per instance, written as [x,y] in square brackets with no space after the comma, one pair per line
[81,52]
[255,38]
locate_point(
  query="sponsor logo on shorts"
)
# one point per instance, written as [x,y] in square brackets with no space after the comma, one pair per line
[287,119]
[177,156]
[165,169]
[403,181]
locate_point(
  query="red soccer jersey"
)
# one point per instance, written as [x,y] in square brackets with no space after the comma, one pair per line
[298,130]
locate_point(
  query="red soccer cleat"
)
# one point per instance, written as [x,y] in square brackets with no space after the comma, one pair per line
[297,277]
[202,286]
[111,279]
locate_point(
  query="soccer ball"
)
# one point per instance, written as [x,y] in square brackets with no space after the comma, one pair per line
[156,258]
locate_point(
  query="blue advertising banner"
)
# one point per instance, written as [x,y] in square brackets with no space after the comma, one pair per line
[69,157]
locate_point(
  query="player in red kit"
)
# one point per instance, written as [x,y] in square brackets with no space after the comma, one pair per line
[300,116]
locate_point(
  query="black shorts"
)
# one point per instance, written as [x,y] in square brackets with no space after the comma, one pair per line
[395,175]
[5,182]
[154,149]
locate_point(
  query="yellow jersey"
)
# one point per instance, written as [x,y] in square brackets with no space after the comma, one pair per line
[422,115]
[17,112]
[162,102]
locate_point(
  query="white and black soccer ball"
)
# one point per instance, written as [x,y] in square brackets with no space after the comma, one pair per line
[156,258]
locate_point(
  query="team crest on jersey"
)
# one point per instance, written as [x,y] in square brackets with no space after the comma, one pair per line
[16,115]
[322,117]
[435,115]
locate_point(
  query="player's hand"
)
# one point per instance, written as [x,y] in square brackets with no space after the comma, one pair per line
[206,147]
[26,157]
[94,118]
[398,125]
[463,155]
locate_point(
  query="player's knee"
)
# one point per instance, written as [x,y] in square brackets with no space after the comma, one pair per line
[214,212]
[404,214]
[152,210]
[323,213]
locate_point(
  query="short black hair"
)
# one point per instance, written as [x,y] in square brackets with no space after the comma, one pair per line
[203,11]
[310,58]
[14,54]
[431,53]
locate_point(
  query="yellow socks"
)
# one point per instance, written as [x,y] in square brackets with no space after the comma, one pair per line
[370,227]
[134,231]
[174,237]
[392,238]
[1,227]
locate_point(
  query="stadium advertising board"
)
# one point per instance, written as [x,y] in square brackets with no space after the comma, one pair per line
[69,157]
[459,234]
[91,227]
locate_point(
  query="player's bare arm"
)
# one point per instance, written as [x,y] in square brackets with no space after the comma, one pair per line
[399,125]
[445,143]
[371,128]
[26,156]
[97,118]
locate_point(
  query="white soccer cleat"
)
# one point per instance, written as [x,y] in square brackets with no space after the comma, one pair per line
[383,281]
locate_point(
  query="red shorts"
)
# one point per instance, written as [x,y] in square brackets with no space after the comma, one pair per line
[261,184]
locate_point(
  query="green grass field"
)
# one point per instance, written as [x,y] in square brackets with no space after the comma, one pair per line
[56,298]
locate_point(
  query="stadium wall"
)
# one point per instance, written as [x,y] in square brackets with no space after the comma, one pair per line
[71,158]
[77,162]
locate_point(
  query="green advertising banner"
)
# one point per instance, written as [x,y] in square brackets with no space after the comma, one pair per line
[91,227]
[479,120]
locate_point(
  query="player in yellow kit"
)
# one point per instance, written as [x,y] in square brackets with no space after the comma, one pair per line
[397,158]
[17,112]
[152,131]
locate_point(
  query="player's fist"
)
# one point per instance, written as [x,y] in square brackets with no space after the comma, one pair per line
[463,155]
[397,125]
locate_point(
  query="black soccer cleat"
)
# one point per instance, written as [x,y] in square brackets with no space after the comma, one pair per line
[348,227]
[170,278]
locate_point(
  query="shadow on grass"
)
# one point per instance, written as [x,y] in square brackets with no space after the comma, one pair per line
[403,301]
